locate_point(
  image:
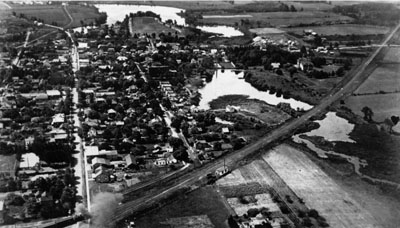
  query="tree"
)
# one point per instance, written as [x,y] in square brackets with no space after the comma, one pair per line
[313,213]
[175,142]
[181,154]
[31,207]
[293,9]
[292,71]
[303,50]
[368,113]
[47,212]
[395,119]
[340,71]
[14,200]
[253,212]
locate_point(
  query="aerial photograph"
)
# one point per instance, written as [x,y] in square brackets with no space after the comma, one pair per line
[200,114]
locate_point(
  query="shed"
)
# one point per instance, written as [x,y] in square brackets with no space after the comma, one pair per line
[130,161]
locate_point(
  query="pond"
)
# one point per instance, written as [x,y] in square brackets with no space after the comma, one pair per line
[333,128]
[117,12]
[230,83]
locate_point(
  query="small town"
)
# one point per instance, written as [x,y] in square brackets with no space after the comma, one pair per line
[147,117]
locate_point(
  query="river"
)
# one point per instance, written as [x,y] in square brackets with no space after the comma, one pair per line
[117,12]
[230,83]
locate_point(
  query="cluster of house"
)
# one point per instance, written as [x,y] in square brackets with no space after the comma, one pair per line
[32,95]
[126,132]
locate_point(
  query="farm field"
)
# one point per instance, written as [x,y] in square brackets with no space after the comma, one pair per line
[260,31]
[317,189]
[203,201]
[393,55]
[149,25]
[47,13]
[384,78]
[383,105]
[310,6]
[278,19]
[86,14]
[342,29]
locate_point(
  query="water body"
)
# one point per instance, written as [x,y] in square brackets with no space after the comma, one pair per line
[117,12]
[333,128]
[229,83]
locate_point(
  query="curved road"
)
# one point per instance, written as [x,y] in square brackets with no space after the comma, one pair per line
[356,80]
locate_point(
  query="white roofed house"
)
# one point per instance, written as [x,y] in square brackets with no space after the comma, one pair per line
[97,161]
[130,161]
[28,161]
[58,119]
[53,94]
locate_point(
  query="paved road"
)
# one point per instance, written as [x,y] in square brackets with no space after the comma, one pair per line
[357,79]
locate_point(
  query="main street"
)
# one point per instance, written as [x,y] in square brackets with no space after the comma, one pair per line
[357,78]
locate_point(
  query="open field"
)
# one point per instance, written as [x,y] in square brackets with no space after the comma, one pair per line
[254,108]
[342,29]
[55,13]
[47,13]
[278,19]
[203,201]
[260,31]
[149,25]
[383,105]
[384,78]
[393,55]
[381,201]
[86,14]
[310,6]
[317,189]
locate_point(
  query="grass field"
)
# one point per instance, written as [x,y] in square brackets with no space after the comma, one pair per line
[383,105]
[279,19]
[269,114]
[80,13]
[56,13]
[384,78]
[317,189]
[48,13]
[310,6]
[342,29]
[203,201]
[260,31]
[393,55]
[149,25]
